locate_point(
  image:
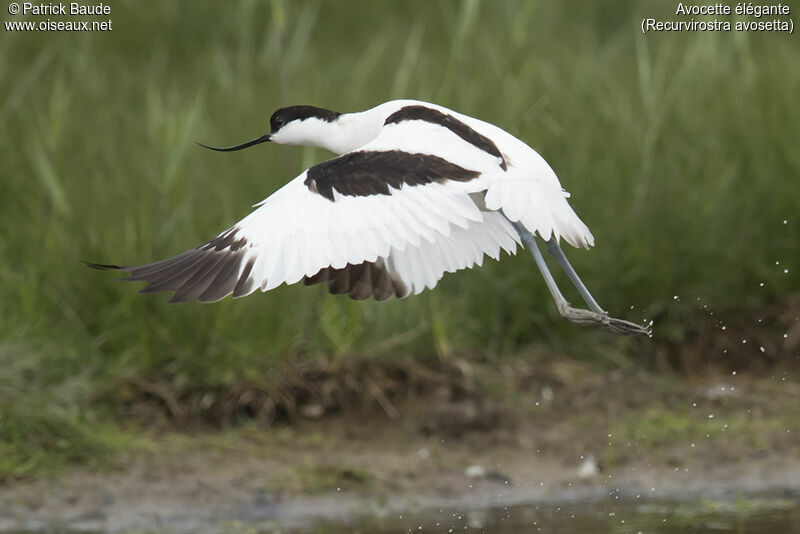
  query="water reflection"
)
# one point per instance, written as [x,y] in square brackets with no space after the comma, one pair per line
[743,516]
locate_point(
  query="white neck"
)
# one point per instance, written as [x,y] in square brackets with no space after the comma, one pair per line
[345,134]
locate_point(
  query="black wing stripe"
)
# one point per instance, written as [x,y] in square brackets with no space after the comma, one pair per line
[374,173]
[465,132]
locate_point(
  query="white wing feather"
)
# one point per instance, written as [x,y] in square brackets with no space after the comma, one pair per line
[287,245]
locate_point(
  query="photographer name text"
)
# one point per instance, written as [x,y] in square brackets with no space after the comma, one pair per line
[44,17]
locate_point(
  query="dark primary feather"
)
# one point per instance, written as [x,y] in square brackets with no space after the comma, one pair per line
[361,281]
[206,273]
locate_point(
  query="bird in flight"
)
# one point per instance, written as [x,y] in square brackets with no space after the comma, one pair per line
[416,190]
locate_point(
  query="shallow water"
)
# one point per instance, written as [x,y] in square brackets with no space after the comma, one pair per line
[743,516]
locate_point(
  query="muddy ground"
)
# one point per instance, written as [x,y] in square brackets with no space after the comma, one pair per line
[566,432]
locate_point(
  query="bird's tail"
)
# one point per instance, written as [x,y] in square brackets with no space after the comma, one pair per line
[540,205]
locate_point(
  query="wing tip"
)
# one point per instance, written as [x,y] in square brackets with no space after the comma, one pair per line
[103,266]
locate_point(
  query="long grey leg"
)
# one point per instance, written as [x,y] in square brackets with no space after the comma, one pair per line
[530,242]
[596,316]
[555,250]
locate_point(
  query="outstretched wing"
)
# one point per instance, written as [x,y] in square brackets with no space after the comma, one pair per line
[370,223]
[414,269]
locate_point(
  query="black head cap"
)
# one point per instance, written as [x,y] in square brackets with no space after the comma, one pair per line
[292,113]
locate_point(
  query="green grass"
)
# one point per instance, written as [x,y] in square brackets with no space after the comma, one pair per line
[679,150]
[321,478]
[669,434]
[36,442]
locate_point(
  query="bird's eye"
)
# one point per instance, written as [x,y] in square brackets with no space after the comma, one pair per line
[277,123]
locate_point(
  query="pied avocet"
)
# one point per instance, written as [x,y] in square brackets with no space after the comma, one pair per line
[417,190]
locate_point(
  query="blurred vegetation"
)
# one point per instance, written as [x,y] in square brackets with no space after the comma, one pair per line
[679,150]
